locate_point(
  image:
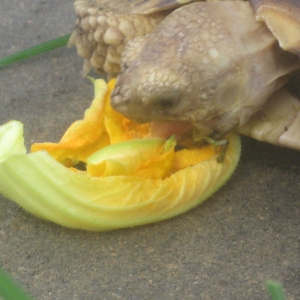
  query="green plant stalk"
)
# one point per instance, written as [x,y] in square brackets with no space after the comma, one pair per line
[45,47]
[9,290]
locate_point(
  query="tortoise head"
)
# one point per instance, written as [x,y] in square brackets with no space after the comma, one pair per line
[200,65]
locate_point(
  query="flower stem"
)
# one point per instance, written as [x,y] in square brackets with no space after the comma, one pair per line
[44,47]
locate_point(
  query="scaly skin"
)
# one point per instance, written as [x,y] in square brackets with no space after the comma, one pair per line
[104,27]
[201,66]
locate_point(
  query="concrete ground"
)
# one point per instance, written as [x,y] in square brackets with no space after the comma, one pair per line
[227,248]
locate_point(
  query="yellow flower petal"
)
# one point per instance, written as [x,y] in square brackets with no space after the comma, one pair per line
[100,127]
[83,137]
[156,167]
[129,156]
[53,192]
[120,128]
[147,184]
[189,157]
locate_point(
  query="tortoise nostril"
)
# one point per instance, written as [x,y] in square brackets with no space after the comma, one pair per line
[124,67]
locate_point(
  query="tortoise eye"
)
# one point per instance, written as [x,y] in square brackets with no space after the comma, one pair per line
[167,99]
[166,103]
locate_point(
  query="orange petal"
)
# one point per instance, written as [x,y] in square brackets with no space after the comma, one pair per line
[120,128]
[189,157]
[83,137]
[157,167]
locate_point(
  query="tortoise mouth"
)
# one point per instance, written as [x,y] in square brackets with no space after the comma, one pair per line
[164,129]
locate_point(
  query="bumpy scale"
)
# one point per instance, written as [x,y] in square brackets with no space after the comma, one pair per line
[209,64]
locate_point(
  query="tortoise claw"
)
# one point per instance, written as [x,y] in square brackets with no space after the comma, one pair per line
[223,144]
[283,19]
[149,7]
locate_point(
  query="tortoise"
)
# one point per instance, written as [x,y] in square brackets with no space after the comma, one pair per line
[214,66]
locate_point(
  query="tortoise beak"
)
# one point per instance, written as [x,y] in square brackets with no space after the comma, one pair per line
[163,129]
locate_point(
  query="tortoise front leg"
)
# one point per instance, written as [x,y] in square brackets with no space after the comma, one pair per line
[283,19]
[103,28]
[278,122]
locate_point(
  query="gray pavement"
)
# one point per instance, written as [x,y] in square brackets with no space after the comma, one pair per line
[227,248]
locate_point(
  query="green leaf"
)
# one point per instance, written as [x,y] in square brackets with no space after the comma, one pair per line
[9,290]
[275,290]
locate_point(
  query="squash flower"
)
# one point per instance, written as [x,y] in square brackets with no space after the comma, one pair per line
[108,172]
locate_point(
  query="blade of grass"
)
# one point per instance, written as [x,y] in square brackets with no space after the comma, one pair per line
[275,290]
[9,290]
[45,47]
